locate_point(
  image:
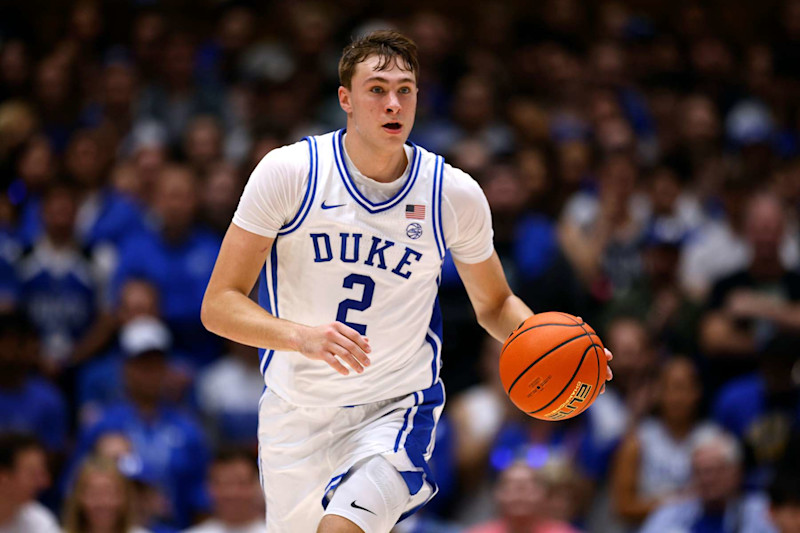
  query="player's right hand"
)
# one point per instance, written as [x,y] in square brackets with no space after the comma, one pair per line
[336,340]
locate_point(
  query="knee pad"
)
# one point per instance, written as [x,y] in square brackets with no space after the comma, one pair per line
[373,496]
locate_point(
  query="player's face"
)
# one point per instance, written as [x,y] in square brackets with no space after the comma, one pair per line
[381,104]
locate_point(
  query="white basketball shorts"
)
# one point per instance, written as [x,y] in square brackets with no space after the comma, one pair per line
[305,452]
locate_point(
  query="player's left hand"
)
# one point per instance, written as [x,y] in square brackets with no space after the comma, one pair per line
[609,372]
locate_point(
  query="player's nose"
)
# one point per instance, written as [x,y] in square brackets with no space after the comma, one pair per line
[392,104]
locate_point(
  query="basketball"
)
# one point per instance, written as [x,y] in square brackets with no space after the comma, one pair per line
[553,366]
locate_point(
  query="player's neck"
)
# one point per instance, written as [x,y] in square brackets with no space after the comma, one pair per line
[380,165]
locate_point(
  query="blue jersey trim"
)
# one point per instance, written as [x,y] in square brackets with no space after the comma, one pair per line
[438,200]
[418,443]
[338,151]
[436,205]
[268,298]
[434,338]
[311,190]
[265,301]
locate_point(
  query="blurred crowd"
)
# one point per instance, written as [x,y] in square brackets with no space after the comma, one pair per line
[642,162]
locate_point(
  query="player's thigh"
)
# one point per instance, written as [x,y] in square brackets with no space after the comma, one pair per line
[294,465]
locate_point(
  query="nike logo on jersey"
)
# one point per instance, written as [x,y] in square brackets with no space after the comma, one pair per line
[331,206]
[354,505]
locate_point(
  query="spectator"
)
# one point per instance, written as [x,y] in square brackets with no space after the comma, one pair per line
[23,474]
[566,490]
[784,498]
[101,500]
[652,464]
[28,402]
[223,187]
[168,441]
[147,151]
[235,495]
[55,91]
[477,415]
[521,498]
[15,69]
[177,256]
[175,98]
[746,307]
[628,398]
[36,170]
[721,246]
[106,217]
[99,383]
[670,314]
[763,408]
[228,392]
[112,112]
[202,144]
[718,506]
[600,234]
[58,290]
[151,508]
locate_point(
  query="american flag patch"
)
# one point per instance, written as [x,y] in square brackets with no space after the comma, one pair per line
[416,211]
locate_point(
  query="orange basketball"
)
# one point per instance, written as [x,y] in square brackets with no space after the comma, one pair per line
[553,366]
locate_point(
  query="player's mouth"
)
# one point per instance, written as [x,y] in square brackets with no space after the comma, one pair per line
[393,127]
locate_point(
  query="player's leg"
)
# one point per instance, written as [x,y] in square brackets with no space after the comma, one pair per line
[370,500]
[292,444]
[337,524]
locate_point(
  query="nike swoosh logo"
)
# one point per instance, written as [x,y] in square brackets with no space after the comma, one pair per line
[356,506]
[331,206]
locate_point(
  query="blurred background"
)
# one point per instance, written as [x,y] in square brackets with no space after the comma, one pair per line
[642,162]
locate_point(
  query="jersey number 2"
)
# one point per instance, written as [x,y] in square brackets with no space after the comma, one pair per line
[357,305]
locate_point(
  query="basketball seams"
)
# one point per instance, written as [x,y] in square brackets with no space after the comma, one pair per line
[569,381]
[586,334]
[566,315]
[510,340]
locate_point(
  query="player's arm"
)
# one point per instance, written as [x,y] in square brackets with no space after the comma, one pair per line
[228,311]
[498,309]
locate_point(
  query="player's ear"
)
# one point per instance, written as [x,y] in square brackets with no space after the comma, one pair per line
[344,99]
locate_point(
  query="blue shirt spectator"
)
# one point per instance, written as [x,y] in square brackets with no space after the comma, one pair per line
[763,408]
[28,403]
[181,271]
[169,442]
[748,514]
[57,289]
[111,218]
[718,506]
[36,406]
[178,257]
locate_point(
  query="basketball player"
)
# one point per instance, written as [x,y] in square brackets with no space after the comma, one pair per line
[347,232]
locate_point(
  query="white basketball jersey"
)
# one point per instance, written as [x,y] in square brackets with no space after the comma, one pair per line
[372,266]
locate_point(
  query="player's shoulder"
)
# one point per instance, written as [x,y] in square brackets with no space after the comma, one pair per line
[459,186]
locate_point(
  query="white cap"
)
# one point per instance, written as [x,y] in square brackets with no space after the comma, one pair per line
[145,334]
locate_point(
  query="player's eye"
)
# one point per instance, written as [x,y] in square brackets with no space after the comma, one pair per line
[376,90]
[405,90]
